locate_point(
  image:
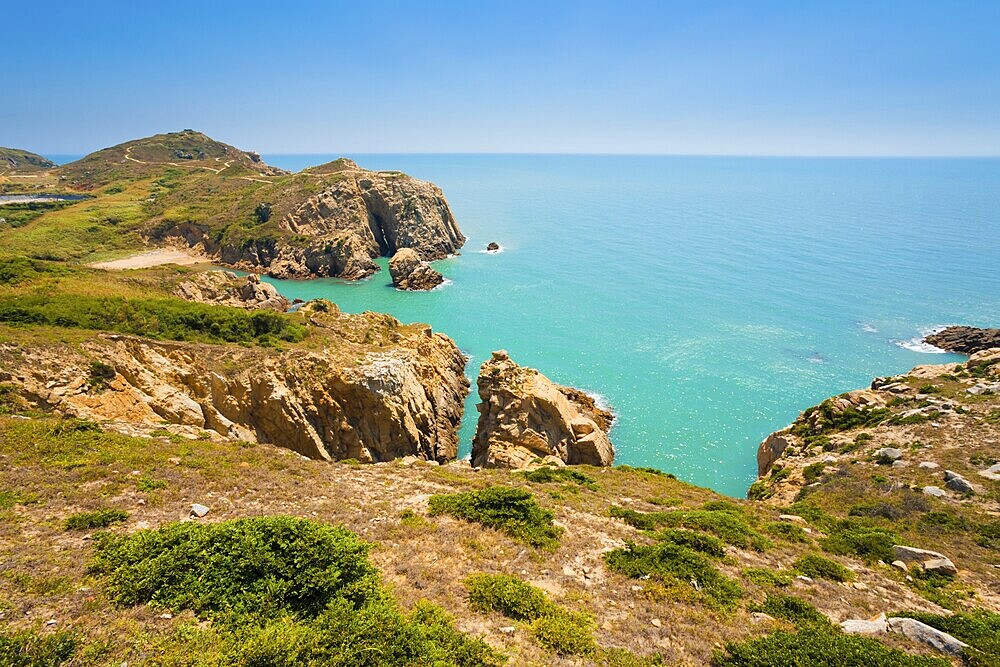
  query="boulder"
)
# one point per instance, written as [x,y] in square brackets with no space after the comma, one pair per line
[993,472]
[409,272]
[925,634]
[935,491]
[941,566]
[492,246]
[888,454]
[931,561]
[199,510]
[525,418]
[857,626]
[225,288]
[956,482]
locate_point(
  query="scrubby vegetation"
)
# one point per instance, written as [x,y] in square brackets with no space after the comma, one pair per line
[97,519]
[726,521]
[511,511]
[818,567]
[549,474]
[171,319]
[980,629]
[29,649]
[283,591]
[792,609]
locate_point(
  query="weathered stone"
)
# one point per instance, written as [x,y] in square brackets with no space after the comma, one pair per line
[857,626]
[888,454]
[492,246]
[900,565]
[941,566]
[993,472]
[199,510]
[956,482]
[409,272]
[914,555]
[792,518]
[225,288]
[771,449]
[928,465]
[935,491]
[925,634]
[525,417]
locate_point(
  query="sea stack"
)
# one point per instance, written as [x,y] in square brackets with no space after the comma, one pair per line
[409,272]
[525,418]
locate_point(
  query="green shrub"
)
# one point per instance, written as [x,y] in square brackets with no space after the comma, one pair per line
[145,484]
[640,520]
[508,595]
[28,649]
[763,576]
[550,474]
[818,567]
[648,471]
[256,567]
[792,609]
[815,646]
[829,419]
[172,319]
[812,472]
[566,633]
[978,628]
[101,373]
[731,527]
[10,498]
[674,564]
[988,535]
[760,490]
[101,518]
[511,511]
[786,531]
[700,542]
[17,270]
[857,537]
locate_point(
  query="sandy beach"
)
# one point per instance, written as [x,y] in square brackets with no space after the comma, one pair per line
[145,260]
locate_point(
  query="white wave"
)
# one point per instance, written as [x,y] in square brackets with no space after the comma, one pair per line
[917,344]
[867,328]
[447,281]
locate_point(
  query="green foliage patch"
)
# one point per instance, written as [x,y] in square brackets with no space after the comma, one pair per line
[795,610]
[549,474]
[676,565]
[511,511]
[818,567]
[29,649]
[767,577]
[815,646]
[862,538]
[101,518]
[172,319]
[979,628]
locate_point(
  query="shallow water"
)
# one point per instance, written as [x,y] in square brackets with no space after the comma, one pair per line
[708,300]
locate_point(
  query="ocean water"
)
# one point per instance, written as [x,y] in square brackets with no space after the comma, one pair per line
[708,300]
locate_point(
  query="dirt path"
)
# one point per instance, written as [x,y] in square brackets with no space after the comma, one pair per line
[151,258]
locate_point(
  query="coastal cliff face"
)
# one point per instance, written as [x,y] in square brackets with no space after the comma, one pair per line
[357,216]
[361,401]
[525,417]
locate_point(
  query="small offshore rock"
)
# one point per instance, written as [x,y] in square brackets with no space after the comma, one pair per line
[199,510]
[410,272]
[492,246]
[925,634]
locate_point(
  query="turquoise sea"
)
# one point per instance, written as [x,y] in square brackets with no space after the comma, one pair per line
[708,300]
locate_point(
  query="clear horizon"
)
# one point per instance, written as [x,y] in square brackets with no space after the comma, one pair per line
[890,78]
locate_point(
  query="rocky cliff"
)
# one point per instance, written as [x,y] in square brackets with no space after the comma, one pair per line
[373,391]
[524,417]
[225,288]
[965,340]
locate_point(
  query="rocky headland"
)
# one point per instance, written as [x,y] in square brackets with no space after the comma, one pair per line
[225,288]
[965,340]
[526,419]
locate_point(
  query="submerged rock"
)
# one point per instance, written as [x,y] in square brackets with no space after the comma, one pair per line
[409,272]
[524,418]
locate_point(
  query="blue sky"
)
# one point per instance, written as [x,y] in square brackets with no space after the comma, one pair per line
[756,77]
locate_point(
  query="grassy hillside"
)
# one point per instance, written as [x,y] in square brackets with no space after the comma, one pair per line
[22,161]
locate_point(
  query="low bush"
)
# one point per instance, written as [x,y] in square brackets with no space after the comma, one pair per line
[795,610]
[101,518]
[511,511]
[763,576]
[988,535]
[566,633]
[815,646]
[9,498]
[676,565]
[165,318]
[858,537]
[731,527]
[700,542]
[507,595]
[818,567]
[786,531]
[648,471]
[28,649]
[549,474]
[829,419]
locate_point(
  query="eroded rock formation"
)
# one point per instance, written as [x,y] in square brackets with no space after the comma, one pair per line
[409,272]
[524,417]
[224,288]
[376,390]
[965,340]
